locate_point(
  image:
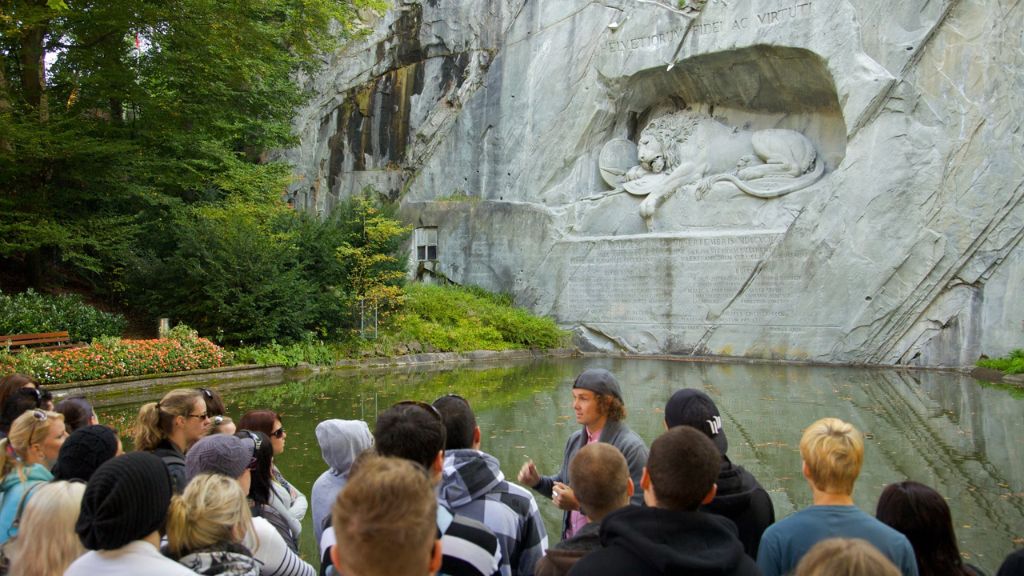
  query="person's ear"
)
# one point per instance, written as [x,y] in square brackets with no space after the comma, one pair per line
[476,437]
[435,557]
[438,466]
[645,480]
[630,489]
[710,495]
[335,559]
[805,470]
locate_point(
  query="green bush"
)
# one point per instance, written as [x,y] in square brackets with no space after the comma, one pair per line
[1012,364]
[458,319]
[246,273]
[308,350]
[234,274]
[31,312]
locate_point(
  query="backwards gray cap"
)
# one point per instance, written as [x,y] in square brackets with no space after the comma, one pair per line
[600,381]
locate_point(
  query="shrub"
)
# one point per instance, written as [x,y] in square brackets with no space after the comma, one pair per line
[308,350]
[234,274]
[31,312]
[1012,364]
[109,358]
[458,319]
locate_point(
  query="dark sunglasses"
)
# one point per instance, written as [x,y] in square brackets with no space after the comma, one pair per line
[279,433]
[428,407]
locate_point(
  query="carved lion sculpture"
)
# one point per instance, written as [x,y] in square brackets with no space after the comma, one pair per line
[685,148]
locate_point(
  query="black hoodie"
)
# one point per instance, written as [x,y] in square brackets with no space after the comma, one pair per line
[641,541]
[741,499]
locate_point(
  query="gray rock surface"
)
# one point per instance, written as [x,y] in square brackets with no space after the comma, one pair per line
[488,120]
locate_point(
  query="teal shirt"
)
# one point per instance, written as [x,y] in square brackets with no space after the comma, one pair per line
[785,542]
[11,491]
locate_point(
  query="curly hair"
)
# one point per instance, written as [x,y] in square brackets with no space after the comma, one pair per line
[611,407]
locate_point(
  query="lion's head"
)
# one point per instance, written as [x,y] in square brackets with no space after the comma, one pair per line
[659,146]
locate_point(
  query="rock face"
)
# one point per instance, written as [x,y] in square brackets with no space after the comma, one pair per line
[840,180]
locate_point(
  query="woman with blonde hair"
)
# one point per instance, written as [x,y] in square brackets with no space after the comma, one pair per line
[206,525]
[47,543]
[167,428]
[26,456]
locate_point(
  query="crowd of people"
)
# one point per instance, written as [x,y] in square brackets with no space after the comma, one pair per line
[202,494]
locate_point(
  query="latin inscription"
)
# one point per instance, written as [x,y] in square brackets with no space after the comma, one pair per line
[761,19]
[678,280]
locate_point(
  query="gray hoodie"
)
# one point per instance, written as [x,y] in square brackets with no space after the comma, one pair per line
[341,441]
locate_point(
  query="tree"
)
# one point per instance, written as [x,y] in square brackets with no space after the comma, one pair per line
[375,274]
[148,107]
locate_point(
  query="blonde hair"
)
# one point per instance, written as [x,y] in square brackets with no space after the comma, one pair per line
[212,510]
[26,430]
[833,451]
[845,557]
[46,543]
[385,519]
[156,419]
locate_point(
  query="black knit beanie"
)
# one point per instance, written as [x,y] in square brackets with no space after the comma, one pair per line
[126,500]
[84,451]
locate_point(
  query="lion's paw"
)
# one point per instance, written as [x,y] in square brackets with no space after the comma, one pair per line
[702,188]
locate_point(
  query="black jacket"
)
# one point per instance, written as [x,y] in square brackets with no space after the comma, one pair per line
[741,499]
[649,541]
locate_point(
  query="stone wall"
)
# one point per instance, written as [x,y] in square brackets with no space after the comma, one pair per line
[503,124]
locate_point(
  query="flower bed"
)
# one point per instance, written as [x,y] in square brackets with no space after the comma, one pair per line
[111,358]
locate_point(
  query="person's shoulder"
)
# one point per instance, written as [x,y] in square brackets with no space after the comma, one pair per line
[473,531]
[469,548]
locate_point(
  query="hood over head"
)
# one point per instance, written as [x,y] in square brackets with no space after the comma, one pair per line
[341,441]
[468,475]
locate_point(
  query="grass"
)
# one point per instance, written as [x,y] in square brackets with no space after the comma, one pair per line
[1011,364]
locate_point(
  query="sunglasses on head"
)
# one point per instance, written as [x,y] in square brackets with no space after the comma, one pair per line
[257,442]
[428,407]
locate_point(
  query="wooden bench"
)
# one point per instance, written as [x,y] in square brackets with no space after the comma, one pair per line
[39,341]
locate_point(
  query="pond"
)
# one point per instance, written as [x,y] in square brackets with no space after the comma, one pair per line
[945,430]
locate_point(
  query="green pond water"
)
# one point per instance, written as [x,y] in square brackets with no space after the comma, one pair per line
[945,430]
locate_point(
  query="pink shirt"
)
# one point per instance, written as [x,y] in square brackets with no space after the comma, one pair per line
[577,520]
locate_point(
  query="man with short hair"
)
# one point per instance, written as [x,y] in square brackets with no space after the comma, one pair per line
[473,485]
[670,535]
[832,452]
[385,521]
[740,497]
[600,479]
[414,431]
[599,408]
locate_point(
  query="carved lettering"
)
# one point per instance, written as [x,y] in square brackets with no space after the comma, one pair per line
[783,14]
[628,280]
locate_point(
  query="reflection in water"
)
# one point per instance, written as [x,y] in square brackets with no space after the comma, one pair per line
[940,429]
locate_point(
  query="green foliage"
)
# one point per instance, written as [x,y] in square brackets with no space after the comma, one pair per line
[374,273]
[1011,364]
[309,350]
[234,273]
[458,319]
[259,272]
[111,358]
[31,312]
[101,151]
